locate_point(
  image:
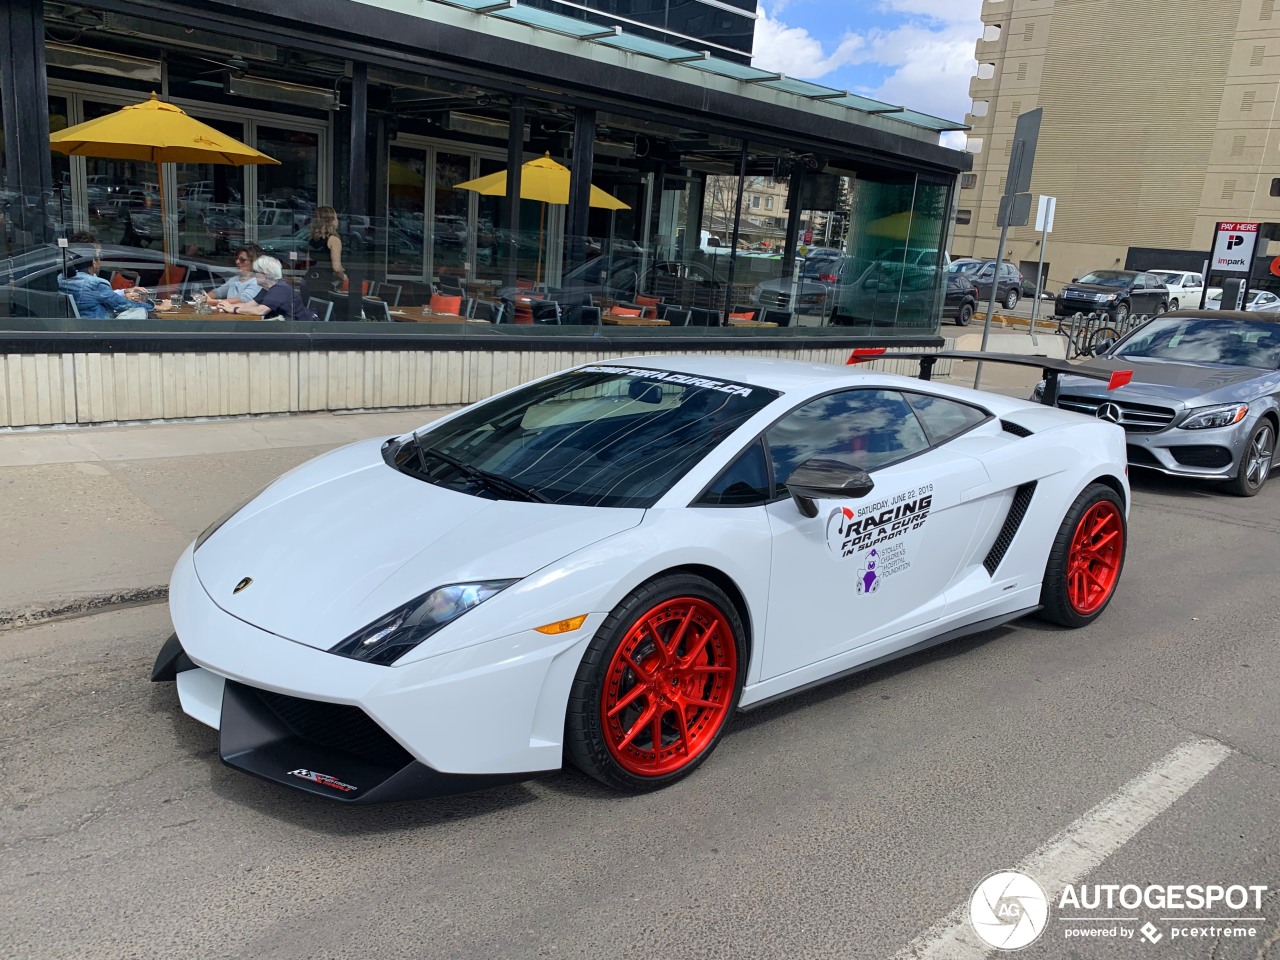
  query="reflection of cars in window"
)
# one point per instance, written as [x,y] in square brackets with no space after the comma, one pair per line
[814,291]
[1184,287]
[1258,301]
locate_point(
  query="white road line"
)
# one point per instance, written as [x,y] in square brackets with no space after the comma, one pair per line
[1083,845]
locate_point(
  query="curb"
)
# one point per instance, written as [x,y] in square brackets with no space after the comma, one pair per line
[82,606]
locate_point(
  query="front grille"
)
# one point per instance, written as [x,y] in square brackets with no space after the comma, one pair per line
[1017,510]
[1141,456]
[1134,417]
[774,298]
[1202,456]
[334,726]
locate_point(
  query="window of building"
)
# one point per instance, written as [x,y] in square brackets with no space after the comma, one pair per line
[964,217]
[768,203]
[755,202]
[1275,186]
[968,181]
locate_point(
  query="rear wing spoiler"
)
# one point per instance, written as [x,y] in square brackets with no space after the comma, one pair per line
[1050,368]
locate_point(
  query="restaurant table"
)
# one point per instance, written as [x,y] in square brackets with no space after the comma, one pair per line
[751,323]
[423,315]
[617,320]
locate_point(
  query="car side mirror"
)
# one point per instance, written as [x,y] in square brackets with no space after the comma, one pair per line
[1102,346]
[1075,279]
[830,479]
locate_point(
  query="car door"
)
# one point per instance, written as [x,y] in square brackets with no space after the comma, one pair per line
[865,569]
[1154,293]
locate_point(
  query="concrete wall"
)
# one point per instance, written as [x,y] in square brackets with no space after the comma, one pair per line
[89,388]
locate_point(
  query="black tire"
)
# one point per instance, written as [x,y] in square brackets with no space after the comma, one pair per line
[1121,314]
[1173,305]
[1255,461]
[593,748]
[965,315]
[1011,299]
[1056,600]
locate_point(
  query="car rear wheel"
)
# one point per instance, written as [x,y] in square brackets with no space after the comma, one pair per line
[1086,559]
[1011,300]
[1255,462]
[965,316]
[657,685]
[1173,305]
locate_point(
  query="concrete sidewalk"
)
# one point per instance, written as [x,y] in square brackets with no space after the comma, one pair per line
[97,516]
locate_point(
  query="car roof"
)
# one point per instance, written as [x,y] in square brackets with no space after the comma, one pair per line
[1207,314]
[787,376]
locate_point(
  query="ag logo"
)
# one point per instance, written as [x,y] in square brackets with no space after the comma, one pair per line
[1008,910]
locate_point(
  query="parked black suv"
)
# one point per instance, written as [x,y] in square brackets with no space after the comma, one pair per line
[981,274]
[1117,293]
[961,301]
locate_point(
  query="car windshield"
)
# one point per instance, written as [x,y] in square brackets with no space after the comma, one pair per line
[1106,278]
[819,268]
[598,436]
[1237,343]
[967,267]
[1167,278]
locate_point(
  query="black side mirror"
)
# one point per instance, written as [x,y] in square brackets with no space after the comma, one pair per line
[1075,279]
[832,479]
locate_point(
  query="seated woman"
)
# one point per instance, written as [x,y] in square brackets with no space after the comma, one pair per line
[277,300]
[95,299]
[243,287]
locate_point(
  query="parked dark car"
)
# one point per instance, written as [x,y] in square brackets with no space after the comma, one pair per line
[981,273]
[961,300]
[1116,293]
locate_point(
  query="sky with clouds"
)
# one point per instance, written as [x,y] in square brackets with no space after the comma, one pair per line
[912,53]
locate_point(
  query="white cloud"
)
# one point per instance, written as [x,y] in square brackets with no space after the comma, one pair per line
[796,52]
[930,53]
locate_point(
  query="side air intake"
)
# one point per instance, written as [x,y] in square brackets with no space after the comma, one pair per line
[1017,510]
[1015,428]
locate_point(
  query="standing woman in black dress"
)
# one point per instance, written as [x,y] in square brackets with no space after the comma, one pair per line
[325,248]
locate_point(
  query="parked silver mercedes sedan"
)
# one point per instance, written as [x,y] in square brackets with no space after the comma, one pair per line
[1203,401]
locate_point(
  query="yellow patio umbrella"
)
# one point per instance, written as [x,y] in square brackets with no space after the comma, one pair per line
[896,226]
[544,180]
[155,132]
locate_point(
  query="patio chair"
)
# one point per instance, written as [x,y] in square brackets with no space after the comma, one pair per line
[123,281]
[781,317]
[545,312]
[391,293]
[678,317]
[702,317]
[173,275]
[442,303]
[321,307]
[376,310]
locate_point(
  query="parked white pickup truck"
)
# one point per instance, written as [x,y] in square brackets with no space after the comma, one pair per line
[1184,286]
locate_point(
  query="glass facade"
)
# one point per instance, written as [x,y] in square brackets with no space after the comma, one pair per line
[726,26]
[688,231]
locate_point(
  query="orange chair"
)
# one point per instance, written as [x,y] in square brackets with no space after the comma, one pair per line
[123,281]
[650,305]
[172,275]
[625,312]
[746,315]
[443,304]
[366,287]
[524,313]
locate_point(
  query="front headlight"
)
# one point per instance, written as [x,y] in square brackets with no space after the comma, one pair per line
[1220,416]
[390,637]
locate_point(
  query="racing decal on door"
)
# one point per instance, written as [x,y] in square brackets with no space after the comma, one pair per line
[851,531]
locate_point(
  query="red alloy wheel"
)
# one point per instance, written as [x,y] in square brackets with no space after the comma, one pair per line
[669,686]
[1093,566]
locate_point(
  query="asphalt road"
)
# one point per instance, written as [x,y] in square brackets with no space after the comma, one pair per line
[844,823]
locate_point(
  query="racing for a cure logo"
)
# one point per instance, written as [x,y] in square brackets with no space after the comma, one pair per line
[850,531]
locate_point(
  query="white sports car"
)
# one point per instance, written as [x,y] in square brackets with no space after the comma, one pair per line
[606,564]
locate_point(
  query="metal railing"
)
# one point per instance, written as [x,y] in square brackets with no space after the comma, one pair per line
[1086,333]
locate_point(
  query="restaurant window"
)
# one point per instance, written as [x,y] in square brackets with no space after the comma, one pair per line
[287,193]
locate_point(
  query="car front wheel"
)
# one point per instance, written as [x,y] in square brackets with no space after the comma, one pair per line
[657,685]
[1086,559]
[1122,312]
[1255,462]
[1173,305]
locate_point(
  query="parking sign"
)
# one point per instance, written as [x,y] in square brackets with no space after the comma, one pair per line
[1233,247]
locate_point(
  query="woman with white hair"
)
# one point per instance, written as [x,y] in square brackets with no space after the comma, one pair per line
[277,300]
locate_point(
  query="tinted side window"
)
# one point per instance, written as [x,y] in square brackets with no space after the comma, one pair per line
[866,428]
[944,418]
[743,483]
